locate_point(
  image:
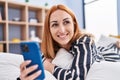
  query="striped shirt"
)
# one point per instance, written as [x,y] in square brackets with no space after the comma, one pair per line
[83,51]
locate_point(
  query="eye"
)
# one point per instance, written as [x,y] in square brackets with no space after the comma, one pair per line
[54,25]
[66,22]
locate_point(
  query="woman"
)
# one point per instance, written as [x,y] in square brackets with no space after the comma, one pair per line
[61,30]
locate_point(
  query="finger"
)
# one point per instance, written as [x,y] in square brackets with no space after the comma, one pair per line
[34,76]
[29,70]
[24,64]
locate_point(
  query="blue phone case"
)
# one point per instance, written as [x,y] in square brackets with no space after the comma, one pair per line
[31,51]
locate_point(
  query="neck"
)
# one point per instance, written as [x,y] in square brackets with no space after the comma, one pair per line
[67,46]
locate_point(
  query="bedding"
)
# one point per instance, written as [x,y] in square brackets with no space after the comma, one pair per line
[104,70]
[9,67]
[10,62]
[63,59]
[107,48]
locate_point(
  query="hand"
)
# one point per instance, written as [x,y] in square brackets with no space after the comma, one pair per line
[118,44]
[25,71]
[48,65]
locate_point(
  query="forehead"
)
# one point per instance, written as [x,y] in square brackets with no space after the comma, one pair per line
[59,14]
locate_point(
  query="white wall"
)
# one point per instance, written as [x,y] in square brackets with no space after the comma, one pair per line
[101,17]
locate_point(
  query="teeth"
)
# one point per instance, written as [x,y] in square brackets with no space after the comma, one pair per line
[62,35]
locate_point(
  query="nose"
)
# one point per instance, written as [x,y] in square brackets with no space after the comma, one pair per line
[61,29]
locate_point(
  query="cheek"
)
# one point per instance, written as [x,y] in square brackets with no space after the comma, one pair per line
[53,32]
[72,30]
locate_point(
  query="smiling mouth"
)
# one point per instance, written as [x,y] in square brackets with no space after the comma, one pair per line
[63,36]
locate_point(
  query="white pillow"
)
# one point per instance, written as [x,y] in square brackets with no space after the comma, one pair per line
[104,70]
[49,76]
[63,59]
[9,66]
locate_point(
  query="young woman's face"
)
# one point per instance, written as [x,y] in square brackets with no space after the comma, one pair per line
[61,27]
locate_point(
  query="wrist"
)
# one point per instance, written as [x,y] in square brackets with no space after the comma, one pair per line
[51,69]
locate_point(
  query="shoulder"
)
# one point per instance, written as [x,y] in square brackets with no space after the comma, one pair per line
[84,39]
[82,43]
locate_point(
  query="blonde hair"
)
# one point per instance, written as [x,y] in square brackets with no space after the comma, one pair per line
[48,46]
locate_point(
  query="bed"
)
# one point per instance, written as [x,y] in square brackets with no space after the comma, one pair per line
[107,69]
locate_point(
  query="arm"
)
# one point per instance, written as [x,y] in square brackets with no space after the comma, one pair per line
[82,51]
[118,43]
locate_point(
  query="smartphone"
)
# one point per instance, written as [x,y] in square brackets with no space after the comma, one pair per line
[31,51]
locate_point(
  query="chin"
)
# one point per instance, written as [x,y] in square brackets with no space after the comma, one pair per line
[63,43]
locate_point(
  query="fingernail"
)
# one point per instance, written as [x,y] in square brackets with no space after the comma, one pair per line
[35,66]
[28,61]
[39,71]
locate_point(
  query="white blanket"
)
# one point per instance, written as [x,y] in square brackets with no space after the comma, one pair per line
[104,70]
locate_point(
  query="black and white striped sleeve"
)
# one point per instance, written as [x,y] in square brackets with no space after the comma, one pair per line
[82,51]
[43,57]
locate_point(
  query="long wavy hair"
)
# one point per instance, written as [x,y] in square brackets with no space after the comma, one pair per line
[49,47]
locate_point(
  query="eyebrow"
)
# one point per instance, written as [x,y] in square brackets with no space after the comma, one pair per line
[53,21]
[56,21]
[65,19]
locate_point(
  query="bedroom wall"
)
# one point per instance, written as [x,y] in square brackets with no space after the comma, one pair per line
[75,5]
[101,17]
[118,8]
